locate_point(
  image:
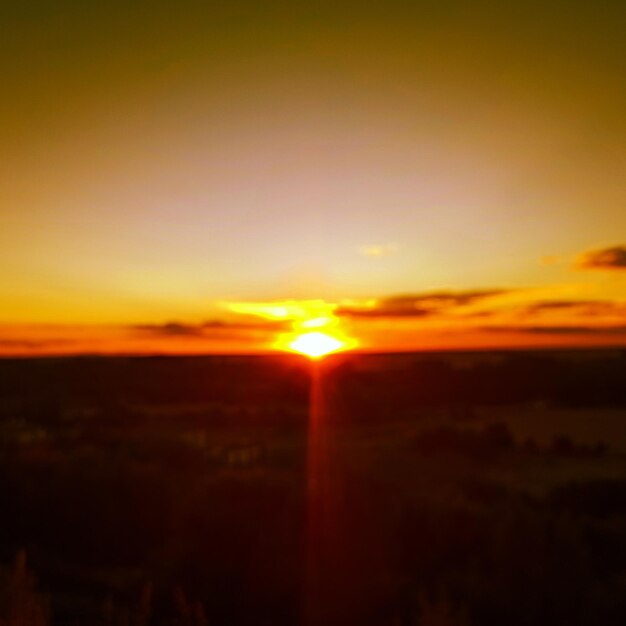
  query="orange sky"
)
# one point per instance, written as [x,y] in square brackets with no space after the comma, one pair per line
[448,175]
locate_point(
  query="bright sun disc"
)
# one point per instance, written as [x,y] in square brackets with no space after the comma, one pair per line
[315,345]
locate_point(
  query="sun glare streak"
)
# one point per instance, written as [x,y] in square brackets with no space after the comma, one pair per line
[320,504]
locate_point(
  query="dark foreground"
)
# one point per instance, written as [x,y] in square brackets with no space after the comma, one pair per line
[439,490]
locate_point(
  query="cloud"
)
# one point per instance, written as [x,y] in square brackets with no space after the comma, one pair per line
[171,329]
[210,329]
[30,344]
[585,307]
[613,258]
[555,305]
[418,305]
[557,330]
[279,311]
[569,312]
[378,250]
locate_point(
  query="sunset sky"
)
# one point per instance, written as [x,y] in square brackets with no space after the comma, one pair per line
[418,174]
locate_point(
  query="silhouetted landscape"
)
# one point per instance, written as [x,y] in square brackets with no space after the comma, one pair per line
[443,489]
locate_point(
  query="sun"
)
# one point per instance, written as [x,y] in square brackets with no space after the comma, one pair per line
[315,329]
[315,345]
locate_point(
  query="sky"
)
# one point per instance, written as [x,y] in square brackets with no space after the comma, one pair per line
[419,174]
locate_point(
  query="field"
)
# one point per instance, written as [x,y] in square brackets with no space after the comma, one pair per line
[418,489]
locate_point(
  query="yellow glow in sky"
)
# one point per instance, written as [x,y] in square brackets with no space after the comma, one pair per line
[306,311]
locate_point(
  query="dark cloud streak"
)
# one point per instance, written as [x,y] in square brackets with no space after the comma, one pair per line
[613,258]
[419,305]
[557,330]
[210,329]
[586,308]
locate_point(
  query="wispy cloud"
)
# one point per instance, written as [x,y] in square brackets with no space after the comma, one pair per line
[418,305]
[583,308]
[211,329]
[613,258]
[171,329]
[378,250]
[31,345]
[557,330]
[279,310]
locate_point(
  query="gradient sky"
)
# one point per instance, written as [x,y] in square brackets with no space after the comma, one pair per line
[162,161]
